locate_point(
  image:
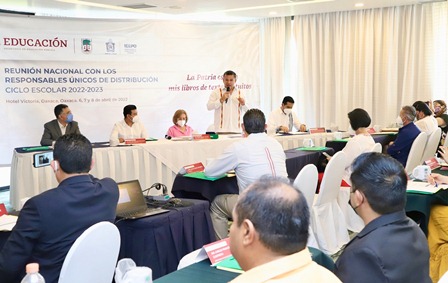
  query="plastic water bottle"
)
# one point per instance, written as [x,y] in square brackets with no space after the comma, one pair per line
[32,274]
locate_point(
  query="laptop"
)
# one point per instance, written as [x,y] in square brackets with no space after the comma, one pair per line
[132,203]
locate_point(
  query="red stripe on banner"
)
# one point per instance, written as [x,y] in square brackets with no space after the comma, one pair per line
[271,163]
[222,108]
[239,110]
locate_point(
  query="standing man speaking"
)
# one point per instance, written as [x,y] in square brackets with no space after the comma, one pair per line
[229,104]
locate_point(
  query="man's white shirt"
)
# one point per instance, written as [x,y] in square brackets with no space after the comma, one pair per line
[122,130]
[251,158]
[228,115]
[428,124]
[279,118]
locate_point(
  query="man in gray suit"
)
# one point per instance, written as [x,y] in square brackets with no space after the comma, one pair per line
[63,124]
[391,247]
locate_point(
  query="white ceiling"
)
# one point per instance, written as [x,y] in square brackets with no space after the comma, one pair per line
[219,10]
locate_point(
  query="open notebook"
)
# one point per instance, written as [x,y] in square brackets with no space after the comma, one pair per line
[132,203]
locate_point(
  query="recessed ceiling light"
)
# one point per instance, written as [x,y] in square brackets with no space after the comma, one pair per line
[358,5]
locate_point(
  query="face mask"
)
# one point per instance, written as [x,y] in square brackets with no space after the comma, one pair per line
[399,121]
[181,123]
[69,118]
[354,208]
[135,119]
[287,111]
[437,109]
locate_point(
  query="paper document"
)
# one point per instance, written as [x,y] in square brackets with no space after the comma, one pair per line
[390,129]
[7,222]
[201,175]
[384,133]
[421,188]
[182,138]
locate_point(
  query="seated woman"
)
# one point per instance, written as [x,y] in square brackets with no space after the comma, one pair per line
[180,127]
[360,143]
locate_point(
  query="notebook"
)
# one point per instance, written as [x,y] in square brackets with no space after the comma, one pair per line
[132,203]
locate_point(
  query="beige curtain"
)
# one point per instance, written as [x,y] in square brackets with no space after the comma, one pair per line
[375,59]
[439,48]
[275,35]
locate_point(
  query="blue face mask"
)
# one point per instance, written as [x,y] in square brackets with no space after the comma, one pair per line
[69,118]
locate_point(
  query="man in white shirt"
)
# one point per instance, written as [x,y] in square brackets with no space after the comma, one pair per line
[425,120]
[229,104]
[283,119]
[269,234]
[128,128]
[251,158]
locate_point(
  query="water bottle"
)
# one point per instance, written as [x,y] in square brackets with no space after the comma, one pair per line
[32,274]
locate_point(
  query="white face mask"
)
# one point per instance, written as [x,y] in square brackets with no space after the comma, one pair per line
[399,122]
[136,119]
[181,123]
[287,111]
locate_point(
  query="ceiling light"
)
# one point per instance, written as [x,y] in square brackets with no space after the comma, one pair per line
[359,5]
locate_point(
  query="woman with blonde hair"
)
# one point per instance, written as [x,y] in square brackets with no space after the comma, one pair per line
[180,127]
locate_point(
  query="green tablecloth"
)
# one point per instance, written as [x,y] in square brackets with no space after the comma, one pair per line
[204,273]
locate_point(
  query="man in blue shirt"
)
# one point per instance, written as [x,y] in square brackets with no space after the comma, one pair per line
[405,137]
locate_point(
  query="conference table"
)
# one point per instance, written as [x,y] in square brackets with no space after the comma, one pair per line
[421,203]
[153,162]
[203,272]
[160,241]
[296,159]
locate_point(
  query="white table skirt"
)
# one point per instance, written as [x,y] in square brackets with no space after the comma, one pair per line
[153,162]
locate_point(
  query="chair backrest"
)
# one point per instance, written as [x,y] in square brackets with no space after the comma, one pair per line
[377,148]
[444,278]
[306,182]
[416,152]
[331,182]
[432,145]
[93,256]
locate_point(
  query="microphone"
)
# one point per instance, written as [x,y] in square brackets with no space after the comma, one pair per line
[227,89]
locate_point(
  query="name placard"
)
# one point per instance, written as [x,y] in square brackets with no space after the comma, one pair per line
[196,167]
[317,130]
[432,163]
[135,141]
[217,251]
